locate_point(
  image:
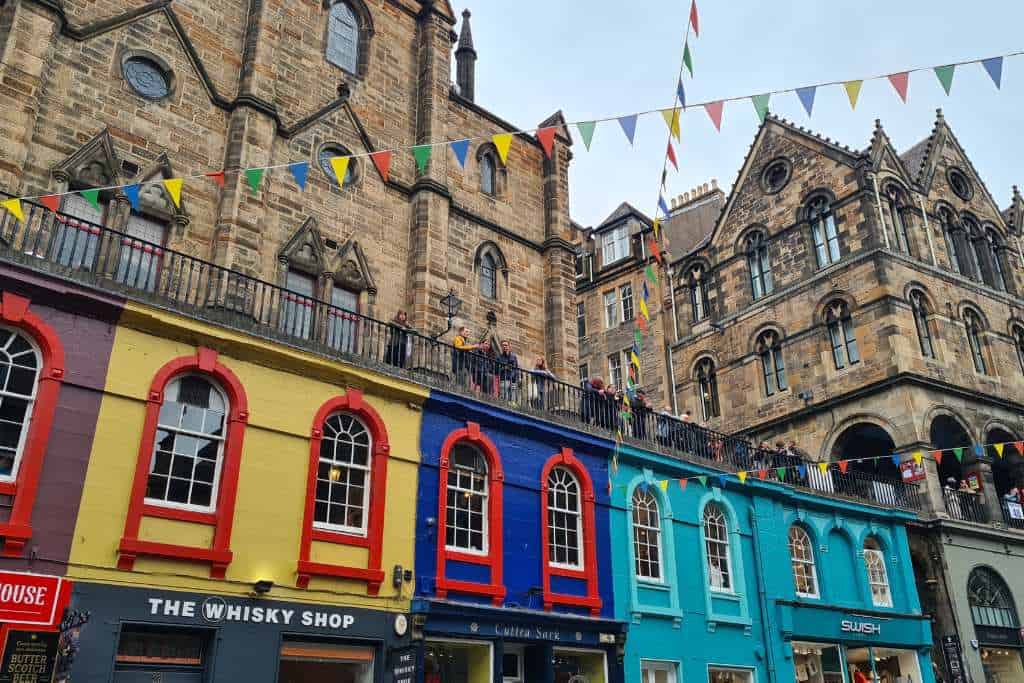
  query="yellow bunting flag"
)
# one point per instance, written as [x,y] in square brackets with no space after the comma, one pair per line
[502,141]
[853,92]
[663,484]
[13,206]
[999,448]
[340,166]
[173,187]
[743,476]
[657,227]
[671,117]
[823,466]
[643,310]
[918,457]
[633,357]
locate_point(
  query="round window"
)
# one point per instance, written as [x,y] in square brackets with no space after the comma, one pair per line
[959,183]
[147,78]
[775,176]
[327,153]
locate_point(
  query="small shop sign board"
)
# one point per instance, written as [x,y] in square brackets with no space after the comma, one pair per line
[403,665]
[28,599]
[954,659]
[28,657]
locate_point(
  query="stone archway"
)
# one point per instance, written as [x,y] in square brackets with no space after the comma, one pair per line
[947,432]
[867,440]
[1008,466]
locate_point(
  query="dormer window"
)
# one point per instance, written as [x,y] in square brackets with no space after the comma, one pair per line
[615,245]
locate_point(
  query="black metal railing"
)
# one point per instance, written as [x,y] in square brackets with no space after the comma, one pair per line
[965,506]
[1013,514]
[115,261]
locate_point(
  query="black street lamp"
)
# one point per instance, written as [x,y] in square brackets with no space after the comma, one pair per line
[450,303]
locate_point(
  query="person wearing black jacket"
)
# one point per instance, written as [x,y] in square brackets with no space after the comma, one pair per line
[398,340]
[508,371]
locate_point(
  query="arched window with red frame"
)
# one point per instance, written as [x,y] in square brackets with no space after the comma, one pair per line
[568,530]
[469,512]
[189,458]
[346,488]
[33,360]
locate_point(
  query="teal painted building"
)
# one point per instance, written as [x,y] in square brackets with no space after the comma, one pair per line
[758,582]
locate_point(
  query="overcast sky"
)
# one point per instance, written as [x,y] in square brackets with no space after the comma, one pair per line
[599,58]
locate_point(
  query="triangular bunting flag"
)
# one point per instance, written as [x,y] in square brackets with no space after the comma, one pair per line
[843,465]
[806,96]
[132,193]
[801,470]
[1019,445]
[760,105]
[652,277]
[682,484]
[823,466]
[461,149]
[644,486]
[340,166]
[693,18]
[899,82]
[255,177]
[703,481]
[586,129]
[641,323]
[656,251]
[895,459]
[646,292]
[217,177]
[663,484]
[853,92]
[51,202]
[945,76]
[762,474]
[671,153]
[643,310]
[502,141]
[994,68]
[546,137]
[300,171]
[382,160]
[656,225]
[714,110]
[938,457]
[681,94]
[634,358]
[671,117]
[687,59]
[93,197]
[173,187]
[978,450]
[918,457]
[662,204]
[638,339]
[999,448]
[959,453]
[421,153]
[13,207]
[780,472]
[721,480]
[628,124]
[743,476]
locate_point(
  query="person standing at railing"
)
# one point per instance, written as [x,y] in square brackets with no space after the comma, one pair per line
[952,496]
[508,372]
[399,340]
[464,359]
[540,378]
[590,404]
[641,414]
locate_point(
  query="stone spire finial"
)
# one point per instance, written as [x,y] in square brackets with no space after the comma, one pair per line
[465,60]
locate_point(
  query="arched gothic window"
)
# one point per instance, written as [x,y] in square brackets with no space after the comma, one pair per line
[993,245]
[896,201]
[343,475]
[952,232]
[841,334]
[773,367]
[565,527]
[924,336]
[488,175]
[343,37]
[990,600]
[823,232]
[488,277]
[19,367]
[758,264]
[697,282]
[878,576]
[646,535]
[978,252]
[801,556]
[466,521]
[974,328]
[1018,342]
[716,545]
[707,388]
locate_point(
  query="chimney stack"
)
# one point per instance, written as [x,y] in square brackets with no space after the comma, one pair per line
[465,60]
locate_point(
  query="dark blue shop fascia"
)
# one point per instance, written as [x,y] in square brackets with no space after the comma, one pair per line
[243,635]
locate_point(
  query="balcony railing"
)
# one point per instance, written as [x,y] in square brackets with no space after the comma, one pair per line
[114,261]
[965,506]
[1013,514]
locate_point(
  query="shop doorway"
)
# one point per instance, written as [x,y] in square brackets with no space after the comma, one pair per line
[882,665]
[305,661]
[817,663]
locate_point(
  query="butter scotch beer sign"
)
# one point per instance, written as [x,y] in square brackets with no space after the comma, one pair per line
[28,657]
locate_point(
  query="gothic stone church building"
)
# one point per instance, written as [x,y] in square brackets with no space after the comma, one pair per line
[100,94]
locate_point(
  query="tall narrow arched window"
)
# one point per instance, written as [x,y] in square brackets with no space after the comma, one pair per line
[801,556]
[565,529]
[950,233]
[974,328]
[343,37]
[823,232]
[646,535]
[488,277]
[758,264]
[1018,343]
[773,367]
[707,388]
[19,367]
[924,335]
[697,281]
[187,457]
[896,201]
[488,175]
[990,599]
[878,576]
[841,334]
[466,520]
[343,476]
[716,546]
[994,246]
[977,252]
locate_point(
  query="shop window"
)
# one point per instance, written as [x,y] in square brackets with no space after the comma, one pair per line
[823,232]
[722,674]
[878,576]
[657,672]
[324,662]
[882,664]
[576,666]
[646,535]
[990,599]
[716,544]
[512,666]
[817,663]
[801,556]
[155,653]
[564,523]
[456,662]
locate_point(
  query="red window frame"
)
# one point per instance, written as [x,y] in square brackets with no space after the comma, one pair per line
[495,589]
[352,402]
[17,530]
[218,555]
[592,599]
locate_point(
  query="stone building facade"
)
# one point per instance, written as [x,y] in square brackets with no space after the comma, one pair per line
[109,93]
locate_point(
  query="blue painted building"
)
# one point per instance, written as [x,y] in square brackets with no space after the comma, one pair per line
[513,555]
[756,582]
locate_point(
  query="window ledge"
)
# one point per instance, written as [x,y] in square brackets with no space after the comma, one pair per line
[653,585]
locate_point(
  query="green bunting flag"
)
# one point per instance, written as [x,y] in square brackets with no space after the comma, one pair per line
[687,59]
[652,277]
[760,105]
[703,481]
[93,197]
[959,453]
[945,75]
[422,155]
[587,131]
[780,472]
[255,177]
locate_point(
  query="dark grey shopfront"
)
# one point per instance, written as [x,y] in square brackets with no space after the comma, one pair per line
[137,635]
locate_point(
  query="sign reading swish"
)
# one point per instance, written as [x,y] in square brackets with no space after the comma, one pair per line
[863,627]
[29,599]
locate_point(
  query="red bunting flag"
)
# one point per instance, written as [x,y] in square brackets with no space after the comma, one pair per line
[682,484]
[693,18]
[217,177]
[382,160]
[655,251]
[900,82]
[938,457]
[672,155]
[1019,445]
[547,139]
[762,474]
[714,110]
[843,464]
[641,323]
[51,202]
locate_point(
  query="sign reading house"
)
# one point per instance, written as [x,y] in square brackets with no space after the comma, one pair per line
[217,610]
[29,599]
